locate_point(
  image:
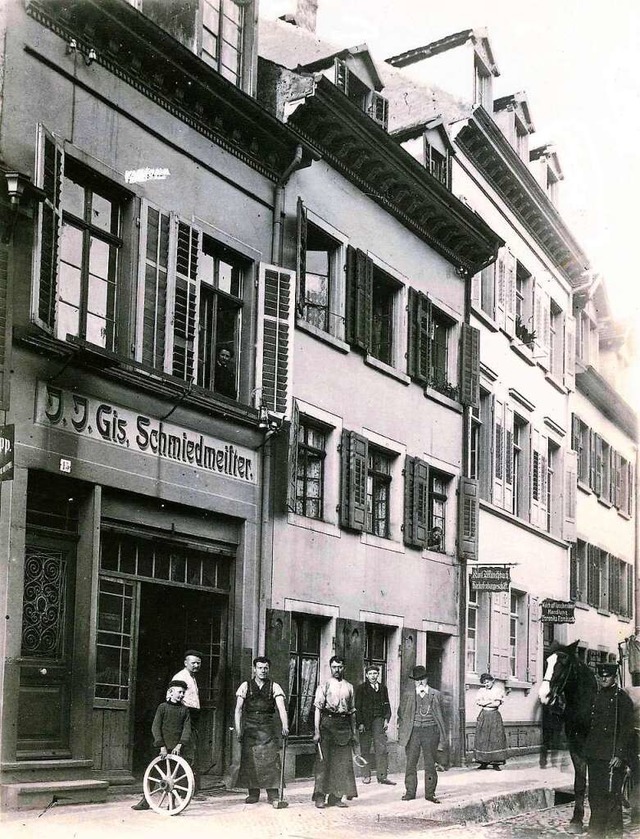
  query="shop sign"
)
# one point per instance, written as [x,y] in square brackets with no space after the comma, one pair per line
[90,418]
[490,578]
[557,611]
[7,449]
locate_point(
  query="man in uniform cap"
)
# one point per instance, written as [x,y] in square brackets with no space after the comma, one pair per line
[373,713]
[192,665]
[421,728]
[608,752]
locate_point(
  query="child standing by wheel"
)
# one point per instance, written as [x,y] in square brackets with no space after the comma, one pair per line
[171,727]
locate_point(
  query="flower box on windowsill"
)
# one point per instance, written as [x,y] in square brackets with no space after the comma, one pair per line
[444,388]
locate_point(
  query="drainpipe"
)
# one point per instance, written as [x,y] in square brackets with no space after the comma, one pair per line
[278,206]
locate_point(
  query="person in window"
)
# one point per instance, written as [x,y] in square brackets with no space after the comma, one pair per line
[491,741]
[224,381]
[373,712]
[171,727]
[257,700]
[335,736]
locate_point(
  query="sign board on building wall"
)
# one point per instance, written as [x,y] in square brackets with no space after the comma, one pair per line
[90,418]
[557,611]
[7,449]
[490,578]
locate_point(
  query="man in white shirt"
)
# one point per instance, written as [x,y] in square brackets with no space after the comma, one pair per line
[192,665]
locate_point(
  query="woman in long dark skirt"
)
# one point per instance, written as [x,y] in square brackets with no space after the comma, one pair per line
[490,740]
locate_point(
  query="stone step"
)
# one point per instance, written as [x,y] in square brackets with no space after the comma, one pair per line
[38,795]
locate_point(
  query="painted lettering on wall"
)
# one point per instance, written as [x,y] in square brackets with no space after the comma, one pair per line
[92,418]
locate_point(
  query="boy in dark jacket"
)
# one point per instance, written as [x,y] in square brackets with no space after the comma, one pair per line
[171,727]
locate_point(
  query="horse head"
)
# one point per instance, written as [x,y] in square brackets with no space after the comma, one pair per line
[561,664]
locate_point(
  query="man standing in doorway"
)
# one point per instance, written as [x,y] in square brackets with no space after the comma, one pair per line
[256,703]
[373,713]
[192,665]
[421,728]
[335,736]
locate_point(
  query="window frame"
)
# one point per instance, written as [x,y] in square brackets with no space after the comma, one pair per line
[308,423]
[235,77]
[439,495]
[299,653]
[379,487]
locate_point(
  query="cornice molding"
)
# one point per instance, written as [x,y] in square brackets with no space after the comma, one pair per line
[598,390]
[140,53]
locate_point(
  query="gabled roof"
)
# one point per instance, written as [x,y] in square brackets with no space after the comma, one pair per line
[449,42]
[437,124]
[549,151]
[519,102]
[361,51]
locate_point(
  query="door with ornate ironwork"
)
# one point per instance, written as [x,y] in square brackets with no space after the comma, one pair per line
[44,701]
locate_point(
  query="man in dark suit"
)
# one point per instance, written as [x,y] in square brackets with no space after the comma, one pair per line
[421,728]
[373,713]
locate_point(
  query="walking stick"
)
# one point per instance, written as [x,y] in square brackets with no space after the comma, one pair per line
[280,804]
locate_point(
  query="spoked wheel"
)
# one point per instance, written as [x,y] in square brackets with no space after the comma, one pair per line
[168,784]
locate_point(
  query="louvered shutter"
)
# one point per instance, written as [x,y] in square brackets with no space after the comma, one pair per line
[575,433]
[630,490]
[470,366]
[545,338]
[476,289]
[592,460]
[538,317]
[498,453]
[508,458]
[616,476]
[184,350]
[499,635]
[501,286]
[599,475]
[353,506]
[341,75]
[570,352]
[510,294]
[5,326]
[533,638]
[468,514]
[416,502]
[378,109]
[294,429]
[359,298]
[49,177]
[155,284]
[569,533]
[274,354]
[301,257]
[535,489]
[277,644]
[544,479]
[419,336]
[350,639]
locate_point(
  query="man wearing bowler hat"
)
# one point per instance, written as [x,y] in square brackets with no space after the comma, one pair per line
[608,752]
[421,728]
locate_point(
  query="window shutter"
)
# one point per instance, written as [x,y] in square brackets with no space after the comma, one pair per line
[510,294]
[501,283]
[569,533]
[575,433]
[468,514]
[293,456]
[470,366]
[341,75]
[419,336]
[353,508]
[592,459]
[359,298]
[277,644]
[533,639]
[498,453]
[378,109]
[535,488]
[274,354]
[544,479]
[350,639]
[508,458]
[570,352]
[545,337]
[186,302]
[499,635]
[476,287]
[416,502]
[599,465]
[408,654]
[301,256]
[538,316]
[616,476]
[155,278]
[49,177]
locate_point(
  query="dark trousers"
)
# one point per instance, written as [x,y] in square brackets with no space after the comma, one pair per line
[190,751]
[425,739]
[373,741]
[605,799]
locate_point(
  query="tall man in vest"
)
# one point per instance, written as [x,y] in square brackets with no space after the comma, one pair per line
[421,728]
[373,713]
[192,665]
[256,703]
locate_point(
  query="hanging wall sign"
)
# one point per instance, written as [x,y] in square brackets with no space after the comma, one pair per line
[7,449]
[490,578]
[557,611]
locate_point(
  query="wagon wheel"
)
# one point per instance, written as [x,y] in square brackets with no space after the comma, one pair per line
[168,784]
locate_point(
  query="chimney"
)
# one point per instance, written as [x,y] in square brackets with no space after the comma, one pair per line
[306,14]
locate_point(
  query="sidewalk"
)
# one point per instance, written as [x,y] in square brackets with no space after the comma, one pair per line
[467,795]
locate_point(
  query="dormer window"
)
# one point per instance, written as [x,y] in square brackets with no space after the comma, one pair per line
[438,164]
[378,109]
[222,31]
[370,101]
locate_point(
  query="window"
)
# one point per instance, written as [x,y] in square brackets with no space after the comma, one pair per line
[587,339]
[221,290]
[378,492]
[90,245]
[222,32]
[514,633]
[114,637]
[487,290]
[438,491]
[608,474]
[524,305]
[520,467]
[472,632]
[304,663]
[310,470]
[556,341]
[484,429]
[578,571]
[437,163]
[382,305]
[370,101]
[475,436]
[554,489]
[584,453]
[440,336]
[375,650]
[322,263]
[594,578]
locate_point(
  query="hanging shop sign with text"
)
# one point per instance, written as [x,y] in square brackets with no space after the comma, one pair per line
[92,418]
[7,451]
[557,611]
[490,578]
